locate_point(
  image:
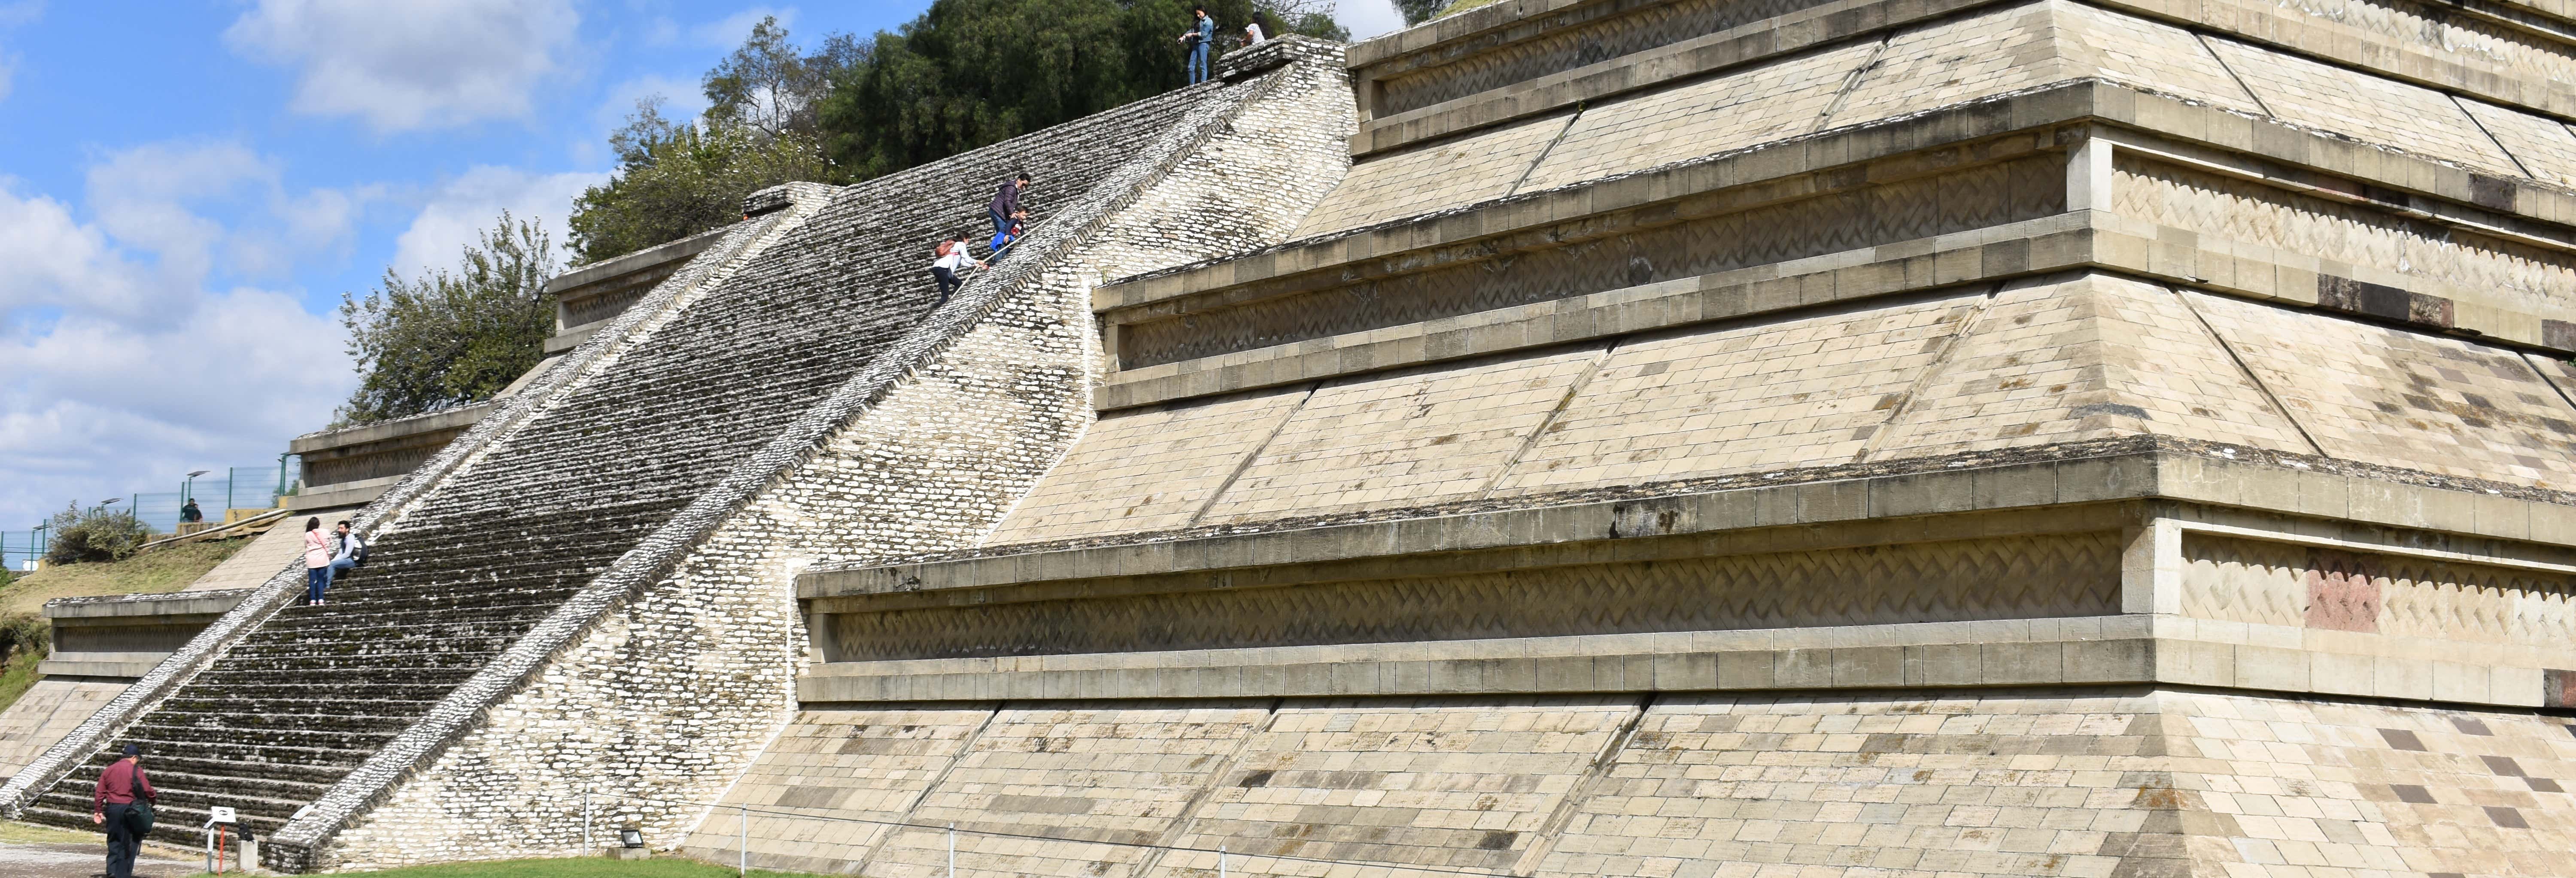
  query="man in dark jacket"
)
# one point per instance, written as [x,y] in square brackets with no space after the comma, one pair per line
[114,805]
[1006,204]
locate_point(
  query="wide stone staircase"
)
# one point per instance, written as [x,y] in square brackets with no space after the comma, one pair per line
[303,700]
[299,703]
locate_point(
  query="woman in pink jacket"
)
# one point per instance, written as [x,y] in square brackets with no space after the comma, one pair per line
[317,561]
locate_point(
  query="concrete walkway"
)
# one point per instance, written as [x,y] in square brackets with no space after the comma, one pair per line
[20,860]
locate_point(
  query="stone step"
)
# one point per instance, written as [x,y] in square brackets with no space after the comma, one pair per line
[407,636]
[277,710]
[175,819]
[353,733]
[370,679]
[189,761]
[250,753]
[354,622]
[337,648]
[177,785]
[325,686]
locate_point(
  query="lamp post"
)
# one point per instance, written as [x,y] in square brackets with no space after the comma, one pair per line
[187,489]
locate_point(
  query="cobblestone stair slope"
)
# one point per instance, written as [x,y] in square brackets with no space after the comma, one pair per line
[296,705]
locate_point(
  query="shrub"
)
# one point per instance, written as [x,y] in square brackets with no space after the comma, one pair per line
[25,633]
[95,535]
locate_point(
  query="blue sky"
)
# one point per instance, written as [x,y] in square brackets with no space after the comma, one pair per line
[187,188]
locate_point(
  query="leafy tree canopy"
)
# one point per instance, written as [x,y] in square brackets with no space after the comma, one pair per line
[452,338]
[969,73]
[966,73]
[678,178]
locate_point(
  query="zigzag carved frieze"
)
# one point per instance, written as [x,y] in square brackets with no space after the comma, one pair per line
[1979,197]
[2021,577]
[2301,586]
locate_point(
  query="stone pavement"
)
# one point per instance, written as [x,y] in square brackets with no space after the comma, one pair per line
[84,861]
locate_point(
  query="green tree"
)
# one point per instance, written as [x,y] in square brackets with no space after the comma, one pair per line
[1419,11]
[98,533]
[452,338]
[968,73]
[678,178]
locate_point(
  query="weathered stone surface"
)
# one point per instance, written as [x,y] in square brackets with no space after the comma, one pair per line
[1846,438]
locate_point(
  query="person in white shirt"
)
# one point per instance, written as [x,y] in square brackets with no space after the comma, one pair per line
[1252,31]
[952,259]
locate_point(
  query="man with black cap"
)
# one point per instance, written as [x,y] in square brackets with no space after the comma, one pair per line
[124,804]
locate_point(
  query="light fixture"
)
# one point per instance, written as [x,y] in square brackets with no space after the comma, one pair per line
[631,837]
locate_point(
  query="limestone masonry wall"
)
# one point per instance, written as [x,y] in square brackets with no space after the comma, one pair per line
[2073,782]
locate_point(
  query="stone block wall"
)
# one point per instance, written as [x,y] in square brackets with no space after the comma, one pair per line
[2083,781]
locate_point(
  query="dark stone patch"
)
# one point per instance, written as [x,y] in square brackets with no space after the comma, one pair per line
[811,797]
[2112,408]
[2383,301]
[2507,817]
[2402,739]
[1256,779]
[2558,689]
[2407,792]
[2503,765]
[2543,785]
[1502,841]
[2489,191]
[2469,726]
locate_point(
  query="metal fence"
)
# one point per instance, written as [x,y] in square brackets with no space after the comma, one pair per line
[257,486]
[18,548]
[240,487]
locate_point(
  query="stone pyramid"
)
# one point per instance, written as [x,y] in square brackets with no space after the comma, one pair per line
[1570,437]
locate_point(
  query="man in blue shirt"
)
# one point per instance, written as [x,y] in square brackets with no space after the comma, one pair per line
[1200,36]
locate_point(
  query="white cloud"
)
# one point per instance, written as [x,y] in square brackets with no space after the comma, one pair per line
[1369,18]
[727,33]
[116,373]
[419,64]
[13,15]
[147,197]
[467,206]
[56,262]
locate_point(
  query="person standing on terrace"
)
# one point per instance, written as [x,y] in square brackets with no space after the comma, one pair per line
[1198,38]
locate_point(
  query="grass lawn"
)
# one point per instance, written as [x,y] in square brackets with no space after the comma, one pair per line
[169,568]
[29,833]
[660,866]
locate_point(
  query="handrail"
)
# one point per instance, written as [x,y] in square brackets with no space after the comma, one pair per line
[264,516]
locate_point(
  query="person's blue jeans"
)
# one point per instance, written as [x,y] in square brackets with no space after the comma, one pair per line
[1000,223]
[316,581]
[340,567]
[1198,62]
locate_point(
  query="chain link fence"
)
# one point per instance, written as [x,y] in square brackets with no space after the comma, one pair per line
[253,487]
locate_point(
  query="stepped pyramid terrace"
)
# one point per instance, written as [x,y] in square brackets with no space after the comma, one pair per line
[1593,437]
